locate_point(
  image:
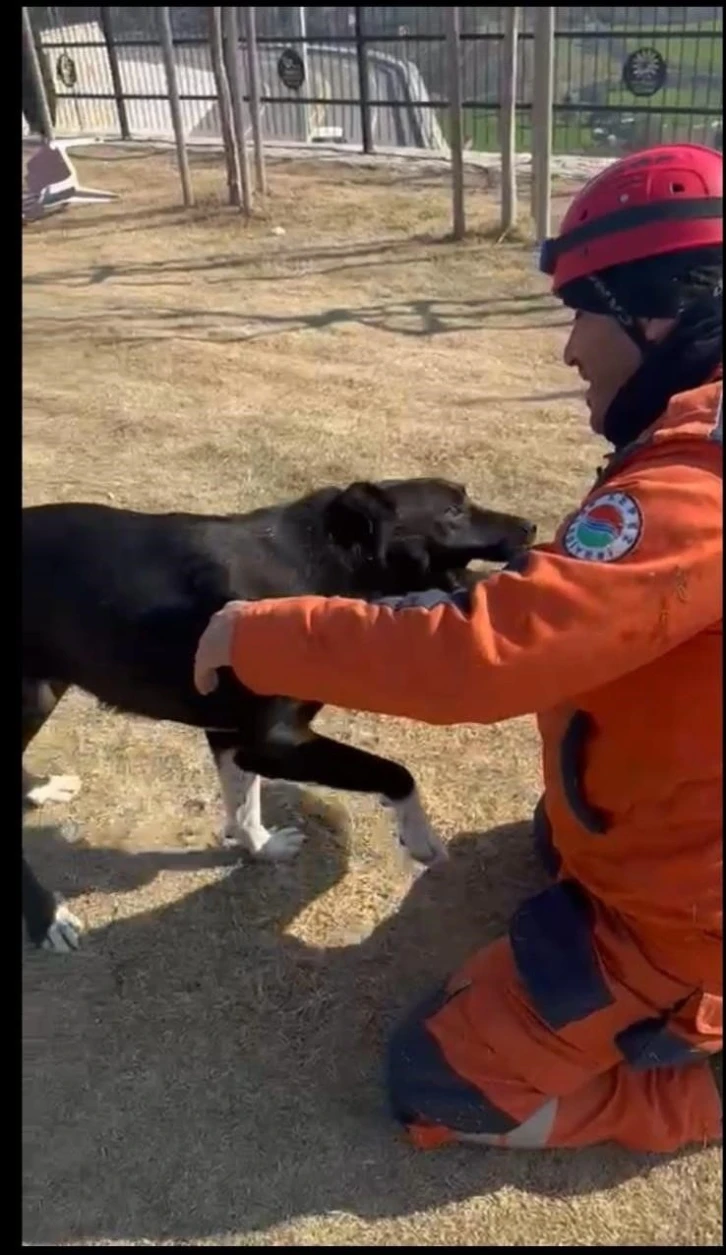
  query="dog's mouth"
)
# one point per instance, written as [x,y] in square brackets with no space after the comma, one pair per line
[505,550]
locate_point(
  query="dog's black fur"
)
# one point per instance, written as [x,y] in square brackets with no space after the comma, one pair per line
[114,602]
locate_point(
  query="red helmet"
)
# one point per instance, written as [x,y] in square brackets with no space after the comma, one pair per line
[662,200]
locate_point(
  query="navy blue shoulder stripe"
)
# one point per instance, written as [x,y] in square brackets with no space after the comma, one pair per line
[429,599]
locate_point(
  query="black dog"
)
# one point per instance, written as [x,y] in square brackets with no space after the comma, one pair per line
[115,601]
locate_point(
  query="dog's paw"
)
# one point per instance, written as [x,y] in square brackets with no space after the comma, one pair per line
[282,844]
[415,834]
[276,845]
[232,838]
[64,934]
[54,789]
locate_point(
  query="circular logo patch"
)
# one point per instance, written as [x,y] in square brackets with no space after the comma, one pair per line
[605,529]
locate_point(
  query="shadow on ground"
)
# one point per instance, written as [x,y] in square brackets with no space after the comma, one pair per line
[285,264]
[199,1070]
[132,324]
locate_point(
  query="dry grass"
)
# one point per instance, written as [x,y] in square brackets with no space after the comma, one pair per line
[206,1071]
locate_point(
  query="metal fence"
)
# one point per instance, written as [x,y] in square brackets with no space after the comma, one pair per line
[375,77]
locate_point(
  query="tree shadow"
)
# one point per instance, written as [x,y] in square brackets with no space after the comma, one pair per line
[306,262]
[200,1069]
[413,318]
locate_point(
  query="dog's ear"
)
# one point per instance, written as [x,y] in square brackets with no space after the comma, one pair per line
[363,516]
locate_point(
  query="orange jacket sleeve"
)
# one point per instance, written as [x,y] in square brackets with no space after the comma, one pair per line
[522,643]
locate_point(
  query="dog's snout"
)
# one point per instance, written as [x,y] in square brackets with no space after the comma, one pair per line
[529,532]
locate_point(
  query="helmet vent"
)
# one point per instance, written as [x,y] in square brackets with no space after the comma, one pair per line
[677,187]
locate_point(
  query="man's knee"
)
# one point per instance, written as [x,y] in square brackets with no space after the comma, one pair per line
[661,1109]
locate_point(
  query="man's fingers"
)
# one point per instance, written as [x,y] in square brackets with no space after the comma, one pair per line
[205,679]
[213,650]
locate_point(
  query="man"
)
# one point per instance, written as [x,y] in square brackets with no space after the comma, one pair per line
[599,1017]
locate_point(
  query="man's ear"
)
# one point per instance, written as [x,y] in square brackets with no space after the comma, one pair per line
[361,516]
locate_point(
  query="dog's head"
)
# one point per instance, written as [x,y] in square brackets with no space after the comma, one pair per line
[412,534]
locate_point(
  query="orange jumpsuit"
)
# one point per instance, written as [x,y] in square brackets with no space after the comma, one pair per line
[593,1018]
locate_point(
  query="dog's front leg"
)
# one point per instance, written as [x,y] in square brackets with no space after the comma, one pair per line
[319,760]
[243,826]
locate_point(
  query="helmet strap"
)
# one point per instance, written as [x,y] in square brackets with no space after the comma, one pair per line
[690,355]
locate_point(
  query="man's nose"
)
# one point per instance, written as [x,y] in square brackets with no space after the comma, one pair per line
[568,354]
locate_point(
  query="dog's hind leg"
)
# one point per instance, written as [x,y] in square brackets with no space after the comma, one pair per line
[243,826]
[50,924]
[314,759]
[40,698]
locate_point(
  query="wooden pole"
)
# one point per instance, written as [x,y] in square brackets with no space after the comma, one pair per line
[453,29]
[224,99]
[508,118]
[253,78]
[36,76]
[167,51]
[543,101]
[231,48]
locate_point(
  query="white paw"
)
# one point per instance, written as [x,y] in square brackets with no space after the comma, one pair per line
[415,833]
[275,845]
[232,838]
[64,933]
[55,789]
[281,844]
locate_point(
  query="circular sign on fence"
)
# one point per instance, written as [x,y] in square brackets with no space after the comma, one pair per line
[65,68]
[291,69]
[645,72]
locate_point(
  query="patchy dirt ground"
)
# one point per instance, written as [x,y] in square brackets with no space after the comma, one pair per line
[206,1071]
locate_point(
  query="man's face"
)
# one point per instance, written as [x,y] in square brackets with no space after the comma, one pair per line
[606,357]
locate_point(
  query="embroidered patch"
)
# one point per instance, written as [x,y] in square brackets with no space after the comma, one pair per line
[605,529]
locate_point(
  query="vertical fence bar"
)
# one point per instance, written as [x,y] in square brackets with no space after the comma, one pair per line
[363,86]
[36,77]
[543,100]
[232,50]
[508,117]
[453,49]
[107,28]
[300,20]
[253,78]
[163,18]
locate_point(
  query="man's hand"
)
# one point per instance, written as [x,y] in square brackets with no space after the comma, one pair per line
[215,647]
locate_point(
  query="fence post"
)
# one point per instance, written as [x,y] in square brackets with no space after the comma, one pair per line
[253,77]
[167,49]
[363,91]
[36,77]
[232,50]
[508,118]
[300,18]
[107,28]
[453,48]
[542,107]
